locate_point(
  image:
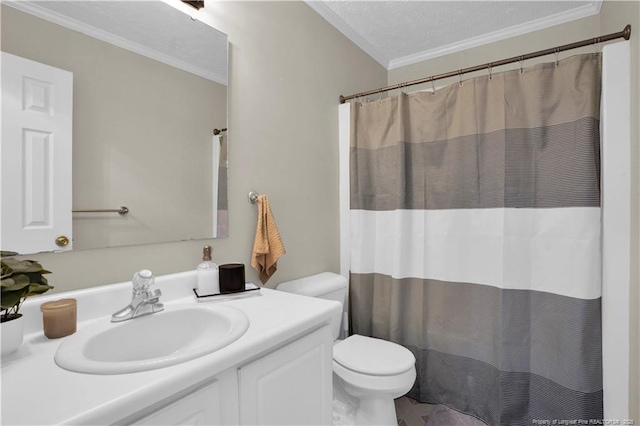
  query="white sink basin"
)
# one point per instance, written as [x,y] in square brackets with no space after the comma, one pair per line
[175,335]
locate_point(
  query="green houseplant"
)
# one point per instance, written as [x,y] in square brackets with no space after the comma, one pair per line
[20,279]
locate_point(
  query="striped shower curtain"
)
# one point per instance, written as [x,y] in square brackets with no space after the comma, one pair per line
[475,240]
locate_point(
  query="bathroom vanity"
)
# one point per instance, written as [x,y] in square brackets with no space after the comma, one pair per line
[278,372]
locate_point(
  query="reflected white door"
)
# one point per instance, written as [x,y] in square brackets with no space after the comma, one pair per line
[37,108]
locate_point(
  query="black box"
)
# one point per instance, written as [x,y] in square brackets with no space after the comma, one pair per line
[231,277]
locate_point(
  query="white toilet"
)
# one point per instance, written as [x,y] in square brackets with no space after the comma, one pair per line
[368,373]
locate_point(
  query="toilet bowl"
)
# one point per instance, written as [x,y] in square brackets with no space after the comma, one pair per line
[368,373]
[374,372]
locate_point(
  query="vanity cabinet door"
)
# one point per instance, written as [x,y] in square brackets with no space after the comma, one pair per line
[291,386]
[201,407]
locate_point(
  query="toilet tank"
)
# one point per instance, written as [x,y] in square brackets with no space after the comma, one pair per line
[325,285]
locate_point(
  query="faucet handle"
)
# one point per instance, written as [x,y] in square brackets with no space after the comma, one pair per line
[142,280]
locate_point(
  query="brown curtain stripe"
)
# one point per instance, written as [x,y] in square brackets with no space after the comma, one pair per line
[510,100]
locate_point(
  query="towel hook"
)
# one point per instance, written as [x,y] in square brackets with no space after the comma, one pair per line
[253,197]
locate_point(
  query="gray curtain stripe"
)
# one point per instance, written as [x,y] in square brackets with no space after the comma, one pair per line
[498,397]
[554,166]
[513,330]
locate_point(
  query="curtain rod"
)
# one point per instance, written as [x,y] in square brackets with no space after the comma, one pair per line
[625,33]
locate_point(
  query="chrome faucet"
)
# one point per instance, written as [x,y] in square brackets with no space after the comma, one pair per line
[143,300]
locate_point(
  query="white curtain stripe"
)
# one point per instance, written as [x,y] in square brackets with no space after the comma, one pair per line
[552,250]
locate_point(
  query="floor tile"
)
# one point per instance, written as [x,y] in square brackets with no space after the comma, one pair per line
[413,413]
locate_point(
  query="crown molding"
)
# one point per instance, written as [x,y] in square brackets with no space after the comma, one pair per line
[593,8]
[75,25]
[560,18]
[328,14]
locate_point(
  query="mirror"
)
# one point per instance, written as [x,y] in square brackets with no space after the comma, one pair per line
[149,88]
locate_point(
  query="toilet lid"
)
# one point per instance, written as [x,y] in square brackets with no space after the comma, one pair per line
[375,357]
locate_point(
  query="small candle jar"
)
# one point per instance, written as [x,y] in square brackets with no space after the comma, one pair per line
[59,318]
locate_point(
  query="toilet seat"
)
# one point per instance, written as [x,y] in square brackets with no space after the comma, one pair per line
[371,356]
[395,385]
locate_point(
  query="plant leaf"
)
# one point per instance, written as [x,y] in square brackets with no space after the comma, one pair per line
[21,279]
[6,269]
[7,253]
[36,277]
[11,298]
[16,282]
[38,289]
[23,265]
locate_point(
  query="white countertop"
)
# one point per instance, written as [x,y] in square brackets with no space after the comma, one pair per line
[36,391]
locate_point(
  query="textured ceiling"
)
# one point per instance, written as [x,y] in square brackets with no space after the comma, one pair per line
[147,27]
[397,33]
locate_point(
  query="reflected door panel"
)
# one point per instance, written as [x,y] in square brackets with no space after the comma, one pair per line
[36,156]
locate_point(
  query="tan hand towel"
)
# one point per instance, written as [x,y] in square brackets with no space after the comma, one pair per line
[267,246]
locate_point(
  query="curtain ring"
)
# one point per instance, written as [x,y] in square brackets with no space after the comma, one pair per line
[557,52]
[433,86]
[460,78]
[521,64]
[596,43]
[489,68]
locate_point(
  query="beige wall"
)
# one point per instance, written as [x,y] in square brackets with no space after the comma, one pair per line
[613,16]
[287,68]
[142,135]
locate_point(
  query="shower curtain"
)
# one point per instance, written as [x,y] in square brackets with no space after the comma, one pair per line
[475,240]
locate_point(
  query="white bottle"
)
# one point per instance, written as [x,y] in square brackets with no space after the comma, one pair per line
[207,275]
